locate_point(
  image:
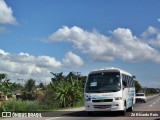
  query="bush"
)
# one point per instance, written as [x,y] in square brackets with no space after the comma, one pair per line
[36,105]
[20,106]
[68,93]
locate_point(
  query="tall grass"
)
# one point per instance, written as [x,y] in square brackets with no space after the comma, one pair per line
[36,105]
[28,106]
[19,105]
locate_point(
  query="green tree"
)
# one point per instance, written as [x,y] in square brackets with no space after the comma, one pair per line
[138,87]
[65,90]
[57,77]
[30,85]
[42,86]
[5,85]
[82,80]
[68,91]
[16,86]
[2,76]
[29,90]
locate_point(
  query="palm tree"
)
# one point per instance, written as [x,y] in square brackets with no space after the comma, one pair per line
[29,90]
[5,85]
[30,85]
[42,86]
[65,89]
[68,92]
[57,77]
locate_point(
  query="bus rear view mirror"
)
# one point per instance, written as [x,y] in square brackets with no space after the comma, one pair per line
[134,76]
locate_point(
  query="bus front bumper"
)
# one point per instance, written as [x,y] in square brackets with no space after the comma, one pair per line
[105,106]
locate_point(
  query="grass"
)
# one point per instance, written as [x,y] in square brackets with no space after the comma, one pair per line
[19,105]
[151,94]
[24,106]
[79,104]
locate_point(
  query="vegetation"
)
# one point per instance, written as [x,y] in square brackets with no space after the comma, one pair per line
[62,92]
[138,87]
[19,105]
[29,90]
[5,85]
[150,91]
[66,91]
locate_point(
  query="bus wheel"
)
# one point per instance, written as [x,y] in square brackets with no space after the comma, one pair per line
[124,111]
[131,108]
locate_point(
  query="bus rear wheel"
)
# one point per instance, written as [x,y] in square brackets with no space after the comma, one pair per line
[131,108]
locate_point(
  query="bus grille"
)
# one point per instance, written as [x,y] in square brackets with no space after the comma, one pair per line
[102,106]
[103,100]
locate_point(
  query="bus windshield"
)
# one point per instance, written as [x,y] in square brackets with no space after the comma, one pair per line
[103,82]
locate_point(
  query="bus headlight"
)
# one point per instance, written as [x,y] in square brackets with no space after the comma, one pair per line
[88,99]
[118,98]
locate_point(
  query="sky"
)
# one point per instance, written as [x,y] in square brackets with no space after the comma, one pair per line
[42,36]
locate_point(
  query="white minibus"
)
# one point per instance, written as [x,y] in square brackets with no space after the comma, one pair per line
[109,89]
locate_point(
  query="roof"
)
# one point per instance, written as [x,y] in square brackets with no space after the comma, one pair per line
[111,69]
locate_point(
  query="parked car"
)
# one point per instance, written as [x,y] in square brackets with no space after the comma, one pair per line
[140,97]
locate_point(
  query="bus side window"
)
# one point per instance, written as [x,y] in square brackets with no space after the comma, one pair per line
[124,81]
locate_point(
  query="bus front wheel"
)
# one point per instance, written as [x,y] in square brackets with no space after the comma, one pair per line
[124,111]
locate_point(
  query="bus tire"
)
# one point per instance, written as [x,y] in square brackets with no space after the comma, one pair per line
[131,108]
[124,111]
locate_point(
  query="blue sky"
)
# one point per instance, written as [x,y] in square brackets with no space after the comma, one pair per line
[39,36]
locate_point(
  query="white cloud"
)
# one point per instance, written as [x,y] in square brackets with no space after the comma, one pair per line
[121,44]
[150,31]
[158,20]
[2,52]
[72,59]
[152,36]
[6,14]
[155,42]
[26,66]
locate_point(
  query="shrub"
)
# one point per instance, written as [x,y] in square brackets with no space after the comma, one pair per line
[68,93]
[19,105]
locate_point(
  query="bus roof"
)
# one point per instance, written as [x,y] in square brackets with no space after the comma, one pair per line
[111,69]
